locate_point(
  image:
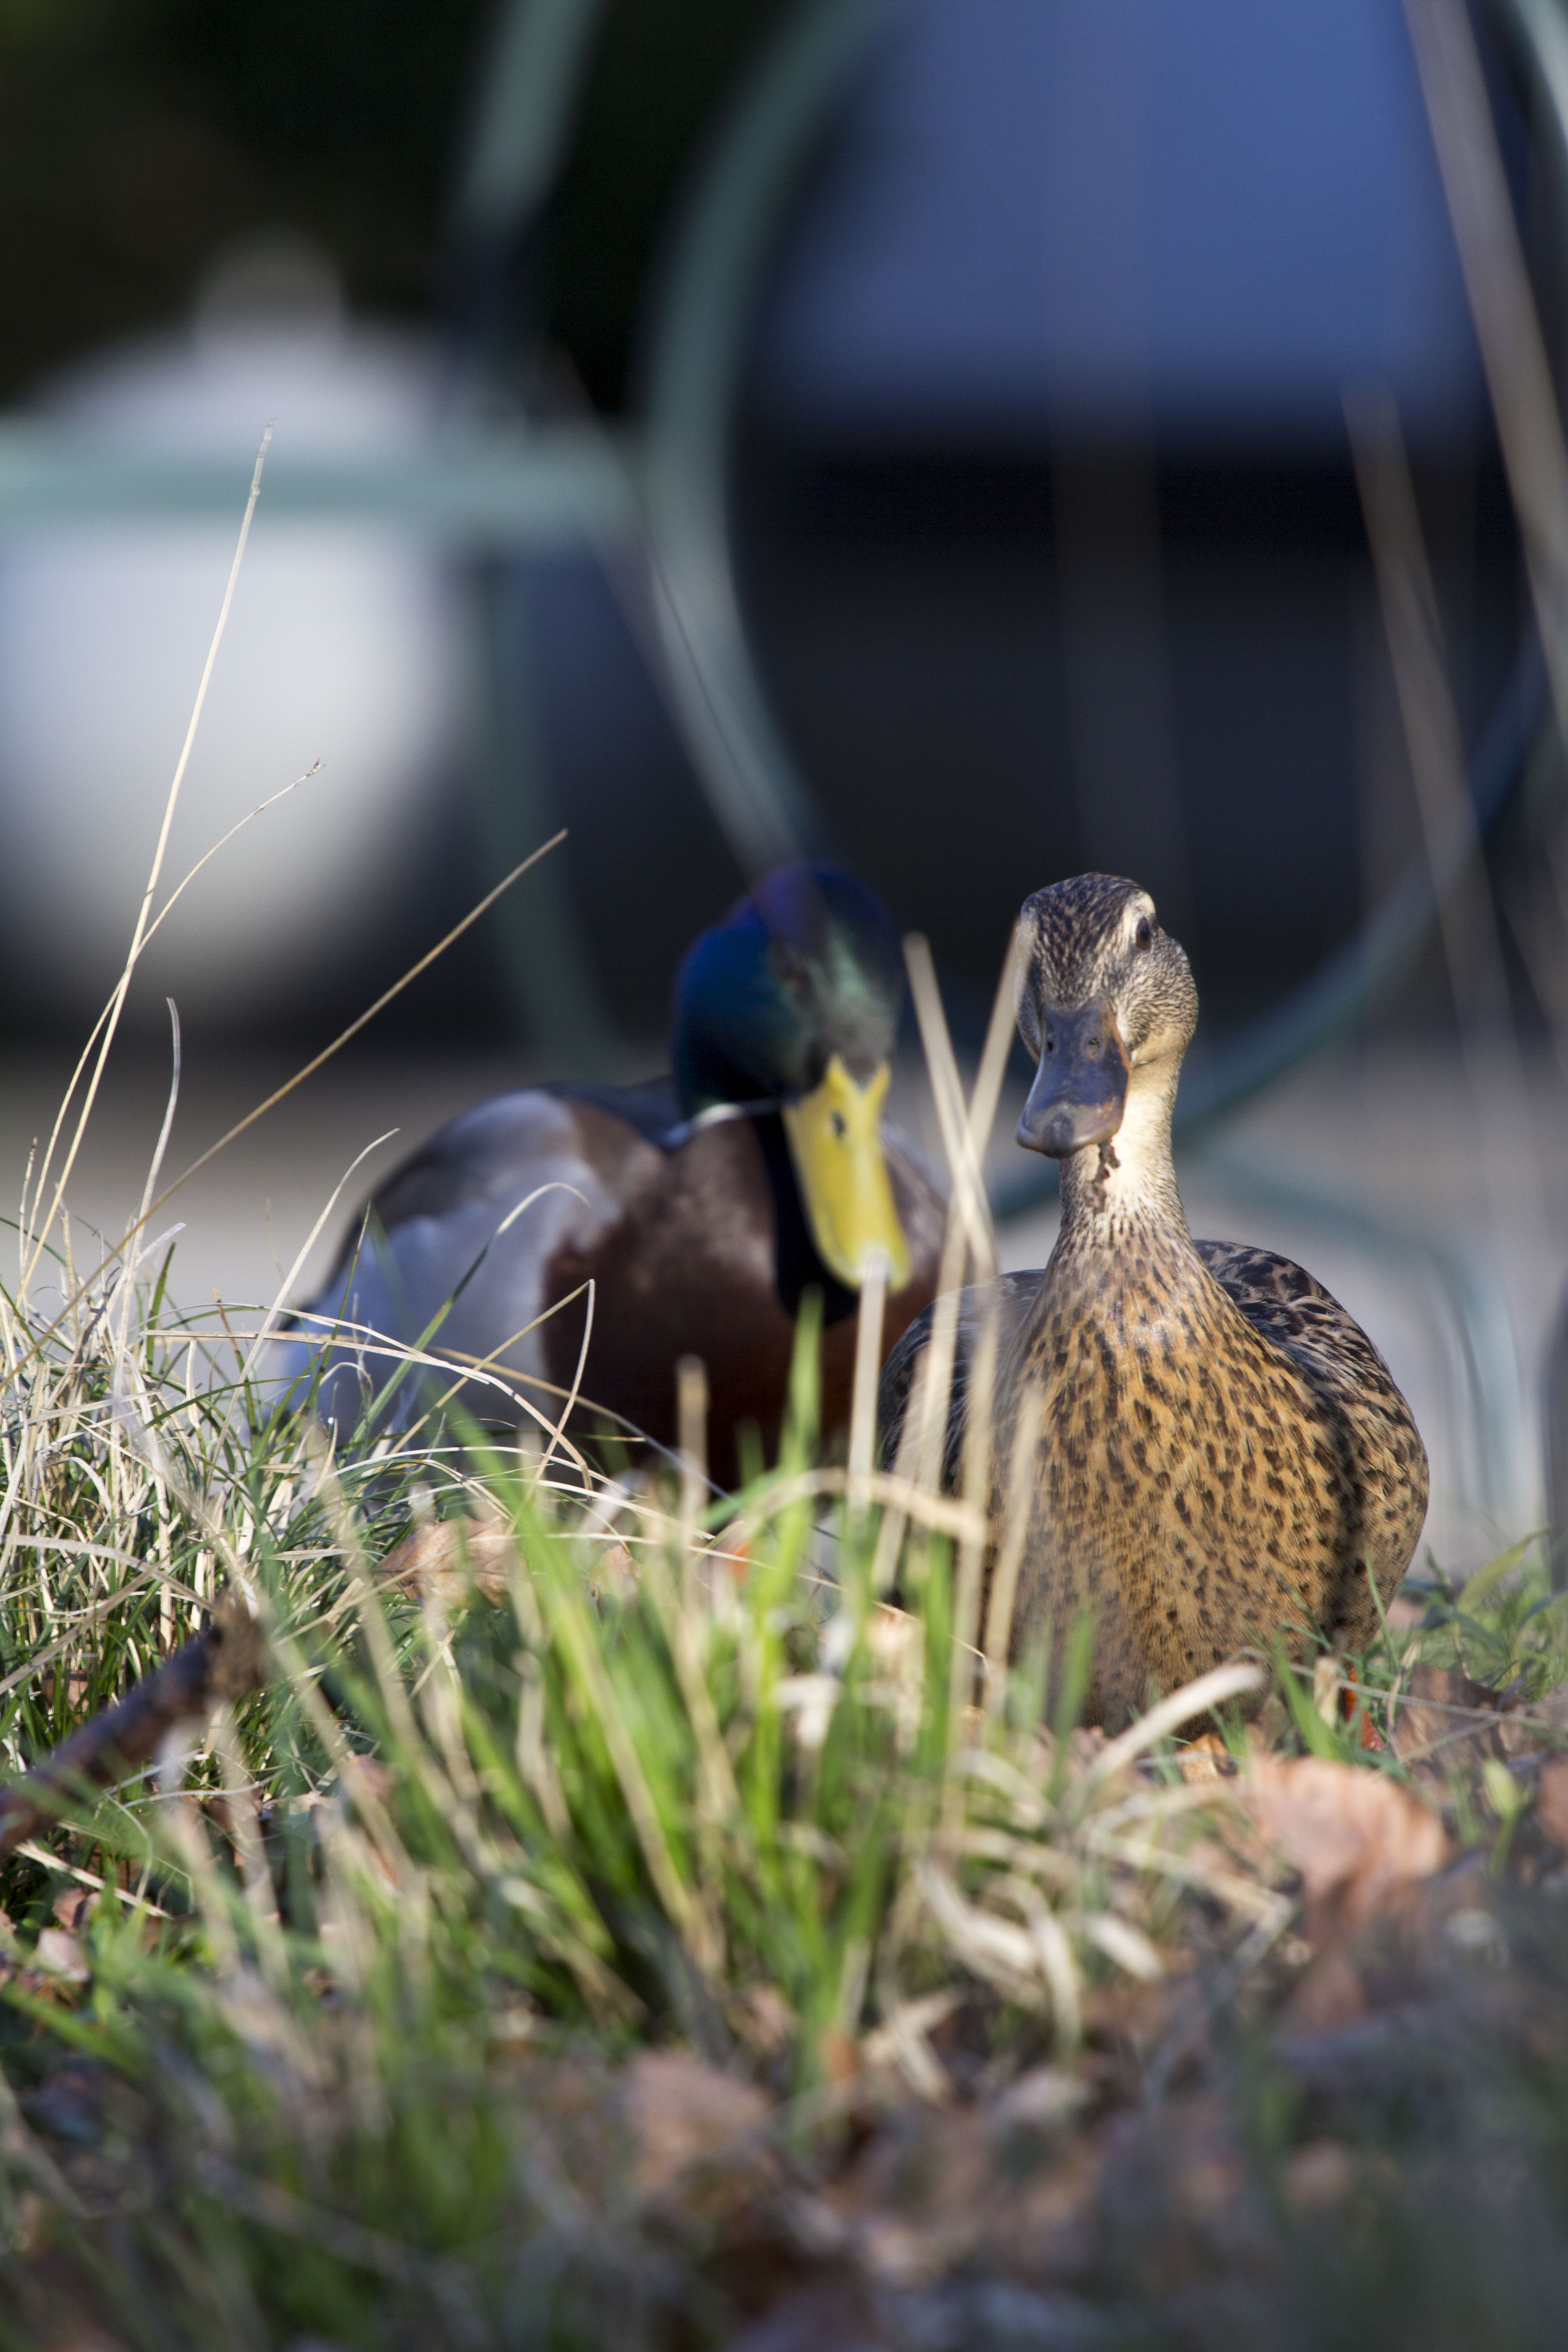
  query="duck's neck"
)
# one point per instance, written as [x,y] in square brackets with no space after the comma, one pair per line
[1109,1191]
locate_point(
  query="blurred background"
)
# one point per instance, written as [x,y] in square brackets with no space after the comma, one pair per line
[909,431]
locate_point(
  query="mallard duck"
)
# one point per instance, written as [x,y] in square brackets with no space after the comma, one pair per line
[1215,1455]
[702,1207]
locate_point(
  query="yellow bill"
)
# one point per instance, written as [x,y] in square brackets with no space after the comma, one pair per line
[836,1142]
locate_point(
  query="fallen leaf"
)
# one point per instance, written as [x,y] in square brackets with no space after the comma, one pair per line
[59,1955]
[687,2119]
[71,1906]
[1353,1835]
[1319,2176]
[1003,2184]
[446,1556]
[838,2055]
[1540,1725]
[614,1573]
[765,2019]
[1041,2100]
[1551,1803]
[731,1553]
[1436,1723]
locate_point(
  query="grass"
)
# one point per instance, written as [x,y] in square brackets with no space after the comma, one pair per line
[612,1918]
[344,2044]
[669,1783]
[607,1890]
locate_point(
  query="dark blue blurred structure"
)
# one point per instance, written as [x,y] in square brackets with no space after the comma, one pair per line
[1000,488]
[1201,222]
[986,511]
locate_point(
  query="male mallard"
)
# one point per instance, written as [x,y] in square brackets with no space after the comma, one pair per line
[1215,1453]
[701,1208]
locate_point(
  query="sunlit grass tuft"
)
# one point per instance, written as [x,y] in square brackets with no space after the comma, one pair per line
[551,1769]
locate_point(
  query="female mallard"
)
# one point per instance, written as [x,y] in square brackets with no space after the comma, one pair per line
[701,1208]
[1215,1453]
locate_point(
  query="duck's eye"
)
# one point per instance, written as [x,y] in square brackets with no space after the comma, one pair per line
[1143,936]
[837,1122]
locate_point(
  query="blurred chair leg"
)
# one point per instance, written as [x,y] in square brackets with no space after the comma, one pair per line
[760,800]
[1555,1442]
[545,961]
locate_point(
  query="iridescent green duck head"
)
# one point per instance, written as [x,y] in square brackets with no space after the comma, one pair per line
[791,1004]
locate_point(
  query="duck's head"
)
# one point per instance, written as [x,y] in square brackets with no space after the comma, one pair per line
[1103,994]
[791,1001]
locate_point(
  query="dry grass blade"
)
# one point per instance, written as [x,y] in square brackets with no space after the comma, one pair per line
[1494,1073]
[691,1425]
[868,1324]
[937,1512]
[969,1242]
[1413,630]
[966,1652]
[947,1093]
[998,1046]
[1197,1697]
[279,1306]
[79,1291]
[1508,329]
[138,937]
[1022,1480]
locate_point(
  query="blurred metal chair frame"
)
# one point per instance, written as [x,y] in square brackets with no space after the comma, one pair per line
[498,485]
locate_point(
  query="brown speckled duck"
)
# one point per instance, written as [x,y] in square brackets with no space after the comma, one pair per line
[1215,1453]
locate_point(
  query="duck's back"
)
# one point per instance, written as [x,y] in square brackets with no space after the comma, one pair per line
[693,1243]
[1383,1456]
[465,1230]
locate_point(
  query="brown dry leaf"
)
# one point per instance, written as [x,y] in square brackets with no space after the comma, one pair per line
[71,1906]
[444,1556]
[375,1778]
[686,2118]
[731,1553]
[838,2055]
[1540,1725]
[763,2018]
[60,1955]
[1319,2176]
[1435,1725]
[1005,2184]
[1551,1803]
[615,1572]
[1353,1835]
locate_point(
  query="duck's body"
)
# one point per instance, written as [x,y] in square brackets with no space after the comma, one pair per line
[683,1204]
[1209,1454]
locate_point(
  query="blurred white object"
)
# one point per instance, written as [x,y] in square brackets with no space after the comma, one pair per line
[342,646]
